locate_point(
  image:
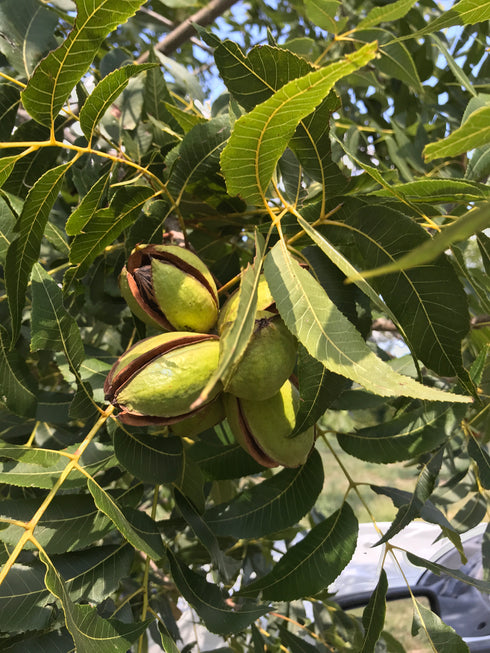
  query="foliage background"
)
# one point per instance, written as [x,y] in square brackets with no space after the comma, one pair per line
[119,123]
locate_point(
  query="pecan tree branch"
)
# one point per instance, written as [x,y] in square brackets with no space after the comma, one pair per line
[185,30]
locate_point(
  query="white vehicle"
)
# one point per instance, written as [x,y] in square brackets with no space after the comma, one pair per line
[459,605]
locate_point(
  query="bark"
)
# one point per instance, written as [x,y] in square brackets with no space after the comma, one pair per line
[186,30]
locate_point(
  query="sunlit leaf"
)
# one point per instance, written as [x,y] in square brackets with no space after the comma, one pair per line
[465,12]
[57,74]
[329,336]
[441,636]
[260,137]
[386,13]
[474,132]
[322,13]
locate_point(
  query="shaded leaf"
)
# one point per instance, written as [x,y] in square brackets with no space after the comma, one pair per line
[312,564]
[24,599]
[150,458]
[373,616]
[57,74]
[83,524]
[481,585]
[259,138]
[204,533]
[272,505]
[294,643]
[431,248]
[107,224]
[88,206]
[329,336]
[424,487]
[53,328]
[16,383]
[91,633]
[30,28]
[479,453]
[105,93]
[24,250]
[402,438]
[208,601]
[223,462]
[428,301]
[136,526]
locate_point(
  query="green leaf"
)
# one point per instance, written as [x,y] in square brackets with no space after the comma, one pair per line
[294,643]
[24,250]
[259,138]
[9,105]
[220,462]
[474,132]
[107,224]
[402,438]
[150,458]
[22,474]
[91,633]
[438,190]
[208,602]
[318,388]
[386,13]
[136,526]
[272,505]
[157,98]
[373,616]
[322,13]
[53,328]
[83,524]
[311,565]
[198,155]
[254,77]
[480,454]
[204,533]
[346,267]
[168,644]
[457,70]
[481,585]
[29,33]
[424,487]
[234,340]
[88,206]
[465,12]
[58,73]
[463,227]
[7,164]
[105,94]
[329,336]
[16,383]
[443,638]
[23,593]
[428,301]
